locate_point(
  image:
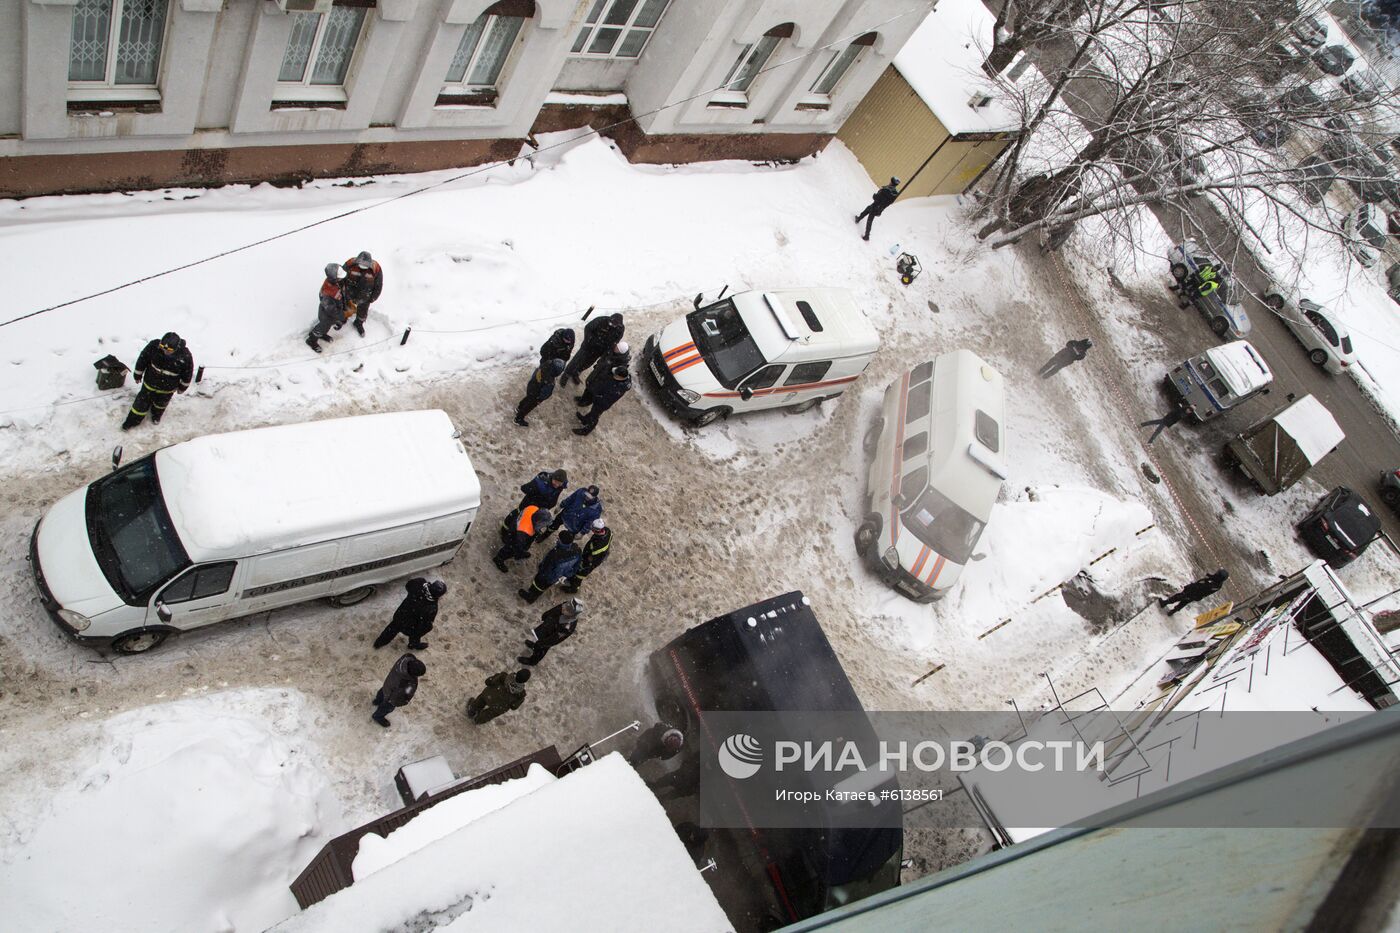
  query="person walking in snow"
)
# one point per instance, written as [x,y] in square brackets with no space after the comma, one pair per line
[557,624]
[364,281]
[1195,591]
[399,688]
[883,198]
[603,396]
[544,490]
[164,367]
[560,562]
[504,692]
[1073,352]
[330,313]
[1170,419]
[520,529]
[661,742]
[579,510]
[415,615]
[595,551]
[539,388]
[599,335]
[559,346]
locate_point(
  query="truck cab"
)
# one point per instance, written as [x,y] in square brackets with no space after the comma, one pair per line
[789,348]
[1219,379]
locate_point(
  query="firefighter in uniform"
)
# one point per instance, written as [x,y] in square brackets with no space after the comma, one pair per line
[595,551]
[163,368]
[364,281]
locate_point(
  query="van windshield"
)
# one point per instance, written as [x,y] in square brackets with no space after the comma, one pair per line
[944,526]
[132,537]
[726,344]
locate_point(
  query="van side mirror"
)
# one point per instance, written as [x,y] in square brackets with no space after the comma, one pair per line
[696,302]
[746,393]
[116,456]
[979,556]
[163,612]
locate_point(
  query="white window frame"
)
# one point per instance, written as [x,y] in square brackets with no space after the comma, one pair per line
[304,90]
[107,88]
[728,96]
[814,96]
[596,20]
[462,88]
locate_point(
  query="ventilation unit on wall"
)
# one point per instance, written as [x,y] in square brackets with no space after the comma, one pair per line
[304,6]
[979,100]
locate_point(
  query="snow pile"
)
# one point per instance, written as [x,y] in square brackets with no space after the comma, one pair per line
[443,819]
[195,816]
[593,850]
[942,61]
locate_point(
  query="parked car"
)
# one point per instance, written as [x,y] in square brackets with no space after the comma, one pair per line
[1309,31]
[938,459]
[1390,489]
[1334,59]
[1392,282]
[1279,451]
[1363,86]
[1340,527]
[1322,335]
[1366,229]
[1219,307]
[790,349]
[1219,379]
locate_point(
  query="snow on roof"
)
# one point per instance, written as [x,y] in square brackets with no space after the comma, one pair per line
[593,850]
[781,331]
[942,61]
[1312,428]
[278,487]
[1241,365]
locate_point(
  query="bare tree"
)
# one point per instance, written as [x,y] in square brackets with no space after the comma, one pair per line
[1023,24]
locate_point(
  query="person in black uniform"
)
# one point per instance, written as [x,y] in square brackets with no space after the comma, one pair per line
[539,388]
[1194,591]
[604,395]
[883,198]
[399,688]
[556,625]
[520,529]
[544,490]
[415,615]
[163,368]
[595,551]
[561,561]
[559,346]
[599,336]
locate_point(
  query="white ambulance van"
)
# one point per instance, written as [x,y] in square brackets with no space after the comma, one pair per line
[938,451]
[229,525]
[790,348]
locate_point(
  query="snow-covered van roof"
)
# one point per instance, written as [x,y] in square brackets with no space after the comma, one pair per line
[791,325]
[967,457]
[942,61]
[230,495]
[1241,366]
[1312,428]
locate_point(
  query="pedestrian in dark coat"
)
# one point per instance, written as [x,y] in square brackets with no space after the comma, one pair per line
[599,335]
[662,741]
[364,280]
[164,367]
[398,688]
[520,529]
[605,395]
[503,693]
[415,615]
[1194,591]
[559,346]
[580,510]
[1168,420]
[544,489]
[330,313]
[595,550]
[539,388]
[561,561]
[883,198]
[556,625]
[619,355]
[1072,352]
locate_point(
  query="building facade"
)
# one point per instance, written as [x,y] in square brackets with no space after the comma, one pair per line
[112,94]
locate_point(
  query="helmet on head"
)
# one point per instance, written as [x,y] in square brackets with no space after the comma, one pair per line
[621,348]
[437,588]
[573,607]
[333,271]
[559,476]
[364,259]
[599,525]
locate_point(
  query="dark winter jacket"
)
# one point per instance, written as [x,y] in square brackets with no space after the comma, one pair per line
[555,626]
[559,346]
[541,492]
[331,312]
[541,384]
[416,613]
[402,683]
[1080,348]
[596,550]
[608,391]
[501,695]
[601,333]
[362,287]
[522,528]
[606,363]
[561,561]
[164,373]
[578,511]
[1205,586]
[883,199]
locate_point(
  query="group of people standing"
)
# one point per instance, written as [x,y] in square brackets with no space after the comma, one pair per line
[583,543]
[602,366]
[346,294]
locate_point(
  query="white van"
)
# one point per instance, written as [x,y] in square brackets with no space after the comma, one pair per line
[1219,379]
[233,524]
[939,459]
[791,348]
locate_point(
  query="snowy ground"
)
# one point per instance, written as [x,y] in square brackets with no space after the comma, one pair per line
[704,522]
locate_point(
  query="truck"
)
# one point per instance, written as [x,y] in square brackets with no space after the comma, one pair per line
[1278,451]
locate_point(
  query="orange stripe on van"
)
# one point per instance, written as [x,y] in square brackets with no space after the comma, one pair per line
[774,390]
[898,447]
[918,566]
[684,364]
[937,569]
[677,351]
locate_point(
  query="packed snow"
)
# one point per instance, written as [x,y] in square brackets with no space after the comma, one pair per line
[942,61]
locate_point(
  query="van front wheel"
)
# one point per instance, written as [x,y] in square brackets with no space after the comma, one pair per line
[808,405]
[138,642]
[866,537]
[872,436]
[1220,326]
[710,416]
[350,597]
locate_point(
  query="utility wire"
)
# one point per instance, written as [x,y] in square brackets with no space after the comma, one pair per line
[476,170]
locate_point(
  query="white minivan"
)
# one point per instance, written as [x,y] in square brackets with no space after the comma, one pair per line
[228,525]
[789,348]
[938,450]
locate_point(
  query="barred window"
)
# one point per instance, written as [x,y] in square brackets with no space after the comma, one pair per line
[319,51]
[116,44]
[618,28]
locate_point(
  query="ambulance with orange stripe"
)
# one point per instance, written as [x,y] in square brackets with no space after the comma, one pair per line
[938,461]
[788,348]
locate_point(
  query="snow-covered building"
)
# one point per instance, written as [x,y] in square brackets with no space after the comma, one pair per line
[110,94]
[933,119]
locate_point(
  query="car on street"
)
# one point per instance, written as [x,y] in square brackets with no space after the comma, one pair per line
[1317,329]
[1334,59]
[1340,527]
[1220,307]
[1390,489]
[1309,31]
[1363,86]
[1365,230]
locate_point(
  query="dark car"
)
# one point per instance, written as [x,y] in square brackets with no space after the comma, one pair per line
[1340,527]
[1309,31]
[1334,60]
[1390,489]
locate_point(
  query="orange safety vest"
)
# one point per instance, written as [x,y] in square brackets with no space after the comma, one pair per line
[526,523]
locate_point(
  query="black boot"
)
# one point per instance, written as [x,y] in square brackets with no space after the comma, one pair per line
[359,328]
[311,342]
[130,422]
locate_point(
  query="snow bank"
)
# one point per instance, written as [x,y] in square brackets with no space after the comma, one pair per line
[593,850]
[195,816]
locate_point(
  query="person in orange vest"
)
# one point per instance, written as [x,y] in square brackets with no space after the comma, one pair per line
[364,281]
[330,314]
[520,529]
